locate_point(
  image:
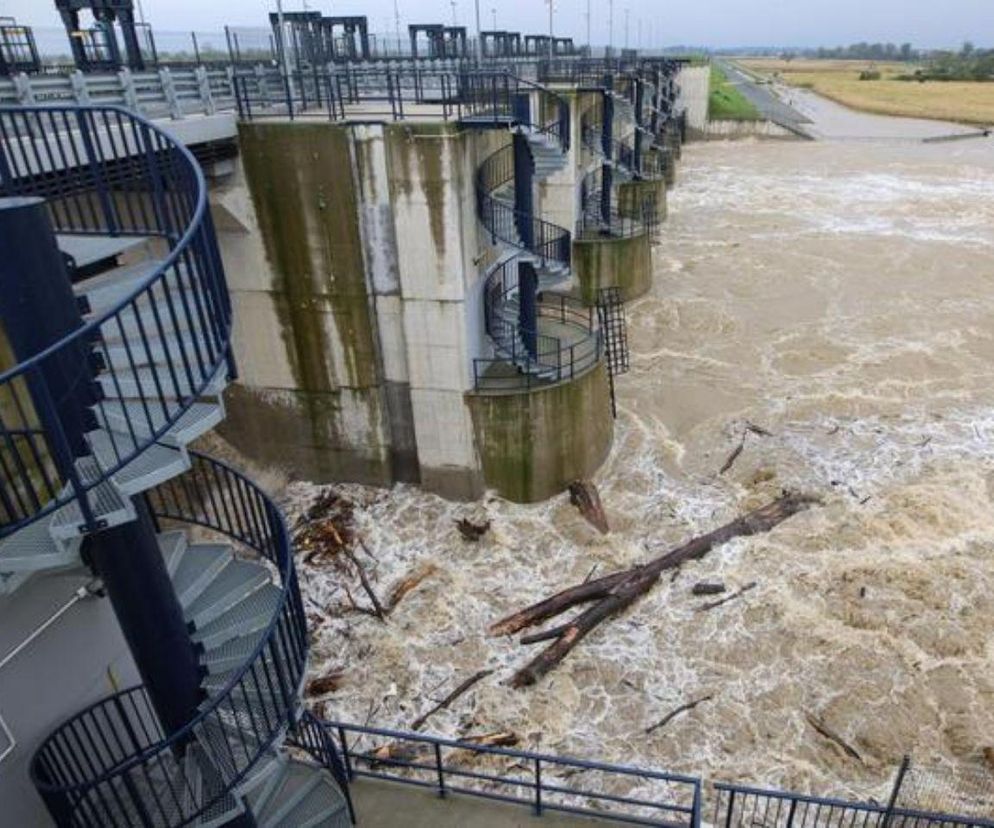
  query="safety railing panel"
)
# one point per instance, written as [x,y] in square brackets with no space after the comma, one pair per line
[737,806]
[508,225]
[111,764]
[542,782]
[534,357]
[107,171]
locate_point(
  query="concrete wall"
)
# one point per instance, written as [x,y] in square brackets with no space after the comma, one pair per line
[534,443]
[78,660]
[613,262]
[631,194]
[728,130]
[357,263]
[311,395]
[695,84]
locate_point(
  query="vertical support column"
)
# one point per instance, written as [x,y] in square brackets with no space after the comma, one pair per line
[70,20]
[105,22]
[607,146]
[37,309]
[132,47]
[524,209]
[134,573]
[639,122]
[528,307]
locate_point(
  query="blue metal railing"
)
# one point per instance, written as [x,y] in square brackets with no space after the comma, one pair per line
[103,170]
[504,223]
[554,358]
[543,782]
[738,806]
[112,764]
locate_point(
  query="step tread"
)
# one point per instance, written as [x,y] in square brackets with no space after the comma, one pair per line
[151,466]
[87,249]
[33,548]
[234,583]
[200,564]
[198,418]
[172,545]
[230,654]
[252,614]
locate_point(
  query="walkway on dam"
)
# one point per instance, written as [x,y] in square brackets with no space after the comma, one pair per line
[387,805]
[760,95]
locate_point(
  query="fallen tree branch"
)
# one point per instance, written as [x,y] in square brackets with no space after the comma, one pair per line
[832,736]
[367,586]
[615,592]
[455,694]
[408,584]
[683,708]
[737,594]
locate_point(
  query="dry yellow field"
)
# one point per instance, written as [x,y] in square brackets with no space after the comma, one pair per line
[962,101]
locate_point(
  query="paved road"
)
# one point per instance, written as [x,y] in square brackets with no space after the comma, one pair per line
[769,105]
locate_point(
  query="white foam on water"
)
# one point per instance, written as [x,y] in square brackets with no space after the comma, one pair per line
[805,290]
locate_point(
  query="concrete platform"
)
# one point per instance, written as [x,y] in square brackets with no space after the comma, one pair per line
[390,805]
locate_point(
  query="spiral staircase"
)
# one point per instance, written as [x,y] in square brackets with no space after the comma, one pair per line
[539,122]
[149,357]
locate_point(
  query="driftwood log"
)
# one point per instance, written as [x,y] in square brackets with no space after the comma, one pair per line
[617,591]
[587,499]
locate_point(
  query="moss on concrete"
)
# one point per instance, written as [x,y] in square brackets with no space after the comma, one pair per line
[300,179]
[301,432]
[632,194]
[299,176]
[613,262]
[532,444]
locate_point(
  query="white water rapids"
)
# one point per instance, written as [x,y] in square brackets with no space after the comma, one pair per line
[841,296]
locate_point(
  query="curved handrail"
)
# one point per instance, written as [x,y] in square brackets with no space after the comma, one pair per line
[552,358]
[504,222]
[215,496]
[593,222]
[106,170]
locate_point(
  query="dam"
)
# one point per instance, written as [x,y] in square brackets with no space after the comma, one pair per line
[312,352]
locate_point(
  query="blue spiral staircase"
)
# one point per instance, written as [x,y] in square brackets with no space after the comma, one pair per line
[543,334]
[95,434]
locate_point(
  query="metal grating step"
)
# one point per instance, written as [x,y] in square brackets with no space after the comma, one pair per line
[207,788]
[153,384]
[306,797]
[172,545]
[198,419]
[153,465]
[201,563]
[237,581]
[154,350]
[90,249]
[110,507]
[248,616]
[33,548]
[231,654]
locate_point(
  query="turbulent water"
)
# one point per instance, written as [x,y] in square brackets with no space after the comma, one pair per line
[841,297]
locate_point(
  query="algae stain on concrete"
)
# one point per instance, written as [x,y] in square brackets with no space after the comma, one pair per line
[534,443]
[300,179]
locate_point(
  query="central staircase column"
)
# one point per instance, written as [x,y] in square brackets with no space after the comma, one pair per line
[524,208]
[528,307]
[128,559]
[37,309]
[607,145]
[639,100]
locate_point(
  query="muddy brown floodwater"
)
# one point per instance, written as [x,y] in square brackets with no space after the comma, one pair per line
[841,296]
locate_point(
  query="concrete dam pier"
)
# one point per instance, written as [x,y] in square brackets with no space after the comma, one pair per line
[417,297]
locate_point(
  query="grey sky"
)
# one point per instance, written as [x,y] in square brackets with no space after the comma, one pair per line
[704,22]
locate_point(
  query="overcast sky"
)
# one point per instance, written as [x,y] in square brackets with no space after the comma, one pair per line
[699,22]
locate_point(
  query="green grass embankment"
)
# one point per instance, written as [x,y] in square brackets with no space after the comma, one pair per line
[726,102]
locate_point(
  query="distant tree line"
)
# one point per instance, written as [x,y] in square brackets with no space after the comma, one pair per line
[969,63]
[868,51]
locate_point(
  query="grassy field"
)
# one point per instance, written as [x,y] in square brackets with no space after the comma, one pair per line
[963,101]
[726,103]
